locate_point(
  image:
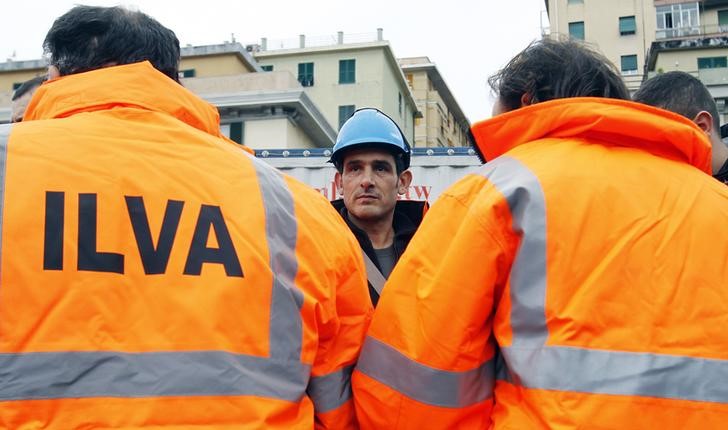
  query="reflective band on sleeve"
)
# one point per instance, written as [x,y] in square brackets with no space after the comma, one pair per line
[50,375]
[527,204]
[619,373]
[281,228]
[422,383]
[4,135]
[329,392]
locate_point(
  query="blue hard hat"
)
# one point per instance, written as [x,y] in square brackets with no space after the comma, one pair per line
[371,128]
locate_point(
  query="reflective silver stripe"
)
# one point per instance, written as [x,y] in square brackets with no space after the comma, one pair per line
[619,373]
[422,383]
[525,197]
[329,392]
[281,228]
[50,375]
[4,136]
[532,364]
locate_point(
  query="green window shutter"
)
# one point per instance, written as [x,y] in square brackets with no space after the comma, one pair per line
[723,18]
[236,132]
[345,112]
[268,68]
[629,63]
[627,25]
[305,74]
[576,30]
[347,71]
[712,62]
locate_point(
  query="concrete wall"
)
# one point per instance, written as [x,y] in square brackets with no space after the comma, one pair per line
[271,133]
[214,65]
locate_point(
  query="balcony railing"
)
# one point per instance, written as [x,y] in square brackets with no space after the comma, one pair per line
[687,32]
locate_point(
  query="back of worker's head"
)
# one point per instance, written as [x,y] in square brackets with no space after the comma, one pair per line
[681,93]
[89,37]
[553,69]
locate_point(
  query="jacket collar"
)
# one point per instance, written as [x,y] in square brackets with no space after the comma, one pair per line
[611,121]
[138,84]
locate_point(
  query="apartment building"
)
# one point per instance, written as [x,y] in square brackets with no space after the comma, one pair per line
[622,30]
[646,37]
[443,123]
[341,75]
[260,110]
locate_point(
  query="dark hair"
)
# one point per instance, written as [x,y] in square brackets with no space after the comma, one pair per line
[27,86]
[678,92]
[89,37]
[552,69]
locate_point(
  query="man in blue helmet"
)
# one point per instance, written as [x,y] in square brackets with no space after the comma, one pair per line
[372,159]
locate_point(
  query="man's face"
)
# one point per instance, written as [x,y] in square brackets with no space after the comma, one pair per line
[370,184]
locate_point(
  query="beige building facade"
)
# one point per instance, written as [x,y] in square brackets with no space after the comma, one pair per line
[443,123]
[621,29]
[646,37]
[341,77]
[259,110]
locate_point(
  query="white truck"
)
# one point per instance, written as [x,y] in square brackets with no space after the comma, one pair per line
[433,169]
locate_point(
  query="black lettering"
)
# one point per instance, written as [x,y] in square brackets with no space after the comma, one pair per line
[154,259]
[89,258]
[53,234]
[211,216]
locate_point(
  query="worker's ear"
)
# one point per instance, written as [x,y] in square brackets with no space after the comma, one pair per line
[339,184]
[404,181]
[704,120]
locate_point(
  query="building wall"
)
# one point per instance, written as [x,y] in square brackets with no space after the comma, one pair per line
[7,79]
[438,126]
[214,65]
[377,84]
[274,133]
[601,27]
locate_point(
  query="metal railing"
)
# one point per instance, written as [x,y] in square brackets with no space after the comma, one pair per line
[303,41]
[686,32]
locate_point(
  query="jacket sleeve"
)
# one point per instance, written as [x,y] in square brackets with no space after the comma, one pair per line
[342,321]
[428,359]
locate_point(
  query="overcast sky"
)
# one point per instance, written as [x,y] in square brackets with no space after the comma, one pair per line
[468,40]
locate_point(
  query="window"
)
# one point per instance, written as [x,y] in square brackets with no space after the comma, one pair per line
[345,112]
[629,64]
[410,79]
[627,25]
[576,30]
[575,2]
[233,130]
[305,74]
[723,20]
[400,103]
[347,71]
[268,68]
[678,20]
[712,62]
[187,73]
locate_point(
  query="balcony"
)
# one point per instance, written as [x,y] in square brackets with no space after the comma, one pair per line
[691,32]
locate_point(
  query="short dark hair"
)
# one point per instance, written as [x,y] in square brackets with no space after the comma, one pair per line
[89,38]
[552,69]
[27,86]
[678,92]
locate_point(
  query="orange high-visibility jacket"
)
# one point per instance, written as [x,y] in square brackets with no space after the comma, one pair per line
[578,281]
[152,274]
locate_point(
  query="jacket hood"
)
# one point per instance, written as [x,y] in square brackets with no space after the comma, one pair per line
[611,121]
[138,84]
